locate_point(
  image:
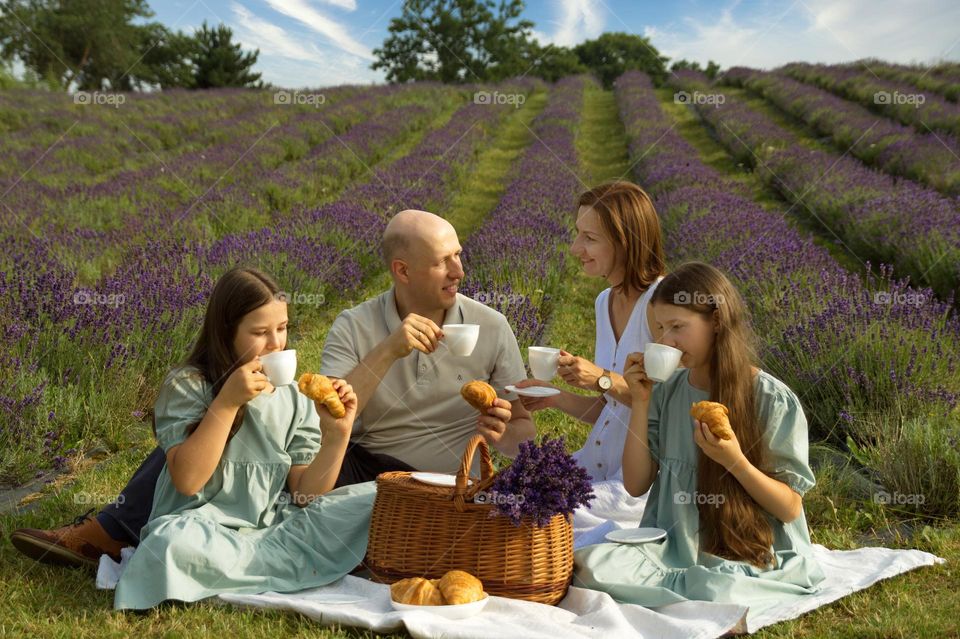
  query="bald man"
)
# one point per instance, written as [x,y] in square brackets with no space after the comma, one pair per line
[407,382]
[390,349]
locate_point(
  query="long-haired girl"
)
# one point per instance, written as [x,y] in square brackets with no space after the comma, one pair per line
[732,508]
[235,444]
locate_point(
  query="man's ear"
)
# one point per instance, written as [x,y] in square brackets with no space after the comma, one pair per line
[400,270]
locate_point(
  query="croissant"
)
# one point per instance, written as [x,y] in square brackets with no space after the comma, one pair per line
[416,591]
[319,388]
[478,394]
[459,587]
[715,416]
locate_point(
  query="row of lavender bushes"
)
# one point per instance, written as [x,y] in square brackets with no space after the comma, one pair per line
[893,147]
[942,78]
[876,216]
[925,111]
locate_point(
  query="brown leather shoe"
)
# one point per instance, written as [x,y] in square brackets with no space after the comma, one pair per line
[77,544]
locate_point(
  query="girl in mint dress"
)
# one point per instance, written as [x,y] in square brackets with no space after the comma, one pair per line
[732,509]
[234,445]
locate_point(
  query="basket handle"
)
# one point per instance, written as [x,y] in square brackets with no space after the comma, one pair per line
[461,491]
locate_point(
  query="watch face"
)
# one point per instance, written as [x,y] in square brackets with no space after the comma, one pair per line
[604,382]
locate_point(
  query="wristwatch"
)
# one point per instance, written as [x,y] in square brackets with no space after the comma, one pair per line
[604,383]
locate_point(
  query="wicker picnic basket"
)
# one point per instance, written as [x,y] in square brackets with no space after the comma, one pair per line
[420,530]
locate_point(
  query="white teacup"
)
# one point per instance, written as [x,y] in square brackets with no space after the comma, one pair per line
[461,338]
[280,367]
[660,361]
[543,362]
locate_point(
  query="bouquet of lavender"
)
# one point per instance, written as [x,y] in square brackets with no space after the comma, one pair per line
[542,481]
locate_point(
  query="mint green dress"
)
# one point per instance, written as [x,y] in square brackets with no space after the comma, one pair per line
[674,569]
[238,534]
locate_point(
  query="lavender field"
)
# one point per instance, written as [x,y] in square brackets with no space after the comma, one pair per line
[838,219]
[120,216]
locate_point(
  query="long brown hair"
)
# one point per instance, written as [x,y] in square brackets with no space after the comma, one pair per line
[238,292]
[736,526]
[630,221]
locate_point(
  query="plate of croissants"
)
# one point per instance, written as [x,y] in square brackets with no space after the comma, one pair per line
[455,595]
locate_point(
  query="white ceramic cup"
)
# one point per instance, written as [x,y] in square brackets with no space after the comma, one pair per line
[280,367]
[461,338]
[660,361]
[543,362]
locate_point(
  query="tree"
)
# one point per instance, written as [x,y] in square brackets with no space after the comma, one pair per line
[168,61]
[711,71]
[455,41]
[610,55]
[552,62]
[220,62]
[96,44]
[91,43]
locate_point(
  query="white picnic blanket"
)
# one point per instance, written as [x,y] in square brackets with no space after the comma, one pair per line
[583,612]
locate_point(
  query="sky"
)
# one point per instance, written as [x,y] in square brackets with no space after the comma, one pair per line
[312,43]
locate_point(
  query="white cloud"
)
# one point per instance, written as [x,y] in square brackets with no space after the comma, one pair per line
[293,61]
[256,32]
[541,36]
[301,11]
[920,30]
[349,5]
[295,74]
[578,20]
[817,31]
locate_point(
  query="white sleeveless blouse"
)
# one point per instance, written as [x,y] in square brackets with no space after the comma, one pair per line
[602,454]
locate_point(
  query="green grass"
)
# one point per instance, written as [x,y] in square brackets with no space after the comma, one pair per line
[53,602]
[486,182]
[602,144]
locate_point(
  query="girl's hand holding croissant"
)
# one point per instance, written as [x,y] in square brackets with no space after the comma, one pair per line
[332,427]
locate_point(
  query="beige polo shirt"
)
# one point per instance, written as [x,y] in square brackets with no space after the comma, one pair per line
[416,413]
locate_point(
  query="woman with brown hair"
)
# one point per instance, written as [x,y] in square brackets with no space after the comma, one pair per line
[618,239]
[731,508]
